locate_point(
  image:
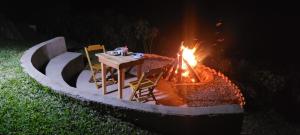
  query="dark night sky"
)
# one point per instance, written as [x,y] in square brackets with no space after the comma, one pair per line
[268,30]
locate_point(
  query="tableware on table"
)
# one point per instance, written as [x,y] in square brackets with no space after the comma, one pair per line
[137,55]
[114,53]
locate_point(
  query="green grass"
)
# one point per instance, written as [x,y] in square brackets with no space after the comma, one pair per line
[26,107]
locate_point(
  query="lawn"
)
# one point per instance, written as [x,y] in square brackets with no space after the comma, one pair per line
[26,107]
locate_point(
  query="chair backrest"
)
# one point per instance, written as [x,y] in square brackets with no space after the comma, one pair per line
[94,49]
[158,72]
[97,47]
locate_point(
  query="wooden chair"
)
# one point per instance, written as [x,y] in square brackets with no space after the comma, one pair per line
[95,67]
[142,89]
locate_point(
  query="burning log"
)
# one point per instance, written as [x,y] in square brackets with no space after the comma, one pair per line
[176,66]
[171,72]
[193,71]
[179,77]
[181,66]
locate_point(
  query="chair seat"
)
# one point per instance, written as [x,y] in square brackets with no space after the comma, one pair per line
[96,66]
[144,84]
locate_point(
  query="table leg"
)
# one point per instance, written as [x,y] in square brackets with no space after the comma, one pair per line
[139,70]
[139,74]
[121,77]
[103,73]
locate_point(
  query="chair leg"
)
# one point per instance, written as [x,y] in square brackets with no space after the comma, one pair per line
[91,79]
[94,78]
[97,86]
[140,93]
[132,95]
[152,94]
[112,75]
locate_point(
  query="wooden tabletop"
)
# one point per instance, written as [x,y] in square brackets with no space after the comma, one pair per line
[118,61]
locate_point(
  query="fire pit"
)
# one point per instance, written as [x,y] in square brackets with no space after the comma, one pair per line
[215,89]
[198,85]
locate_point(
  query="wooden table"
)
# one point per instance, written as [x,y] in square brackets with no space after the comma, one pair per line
[119,63]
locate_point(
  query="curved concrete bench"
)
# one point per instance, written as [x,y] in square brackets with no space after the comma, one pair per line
[43,52]
[223,119]
[83,75]
[65,68]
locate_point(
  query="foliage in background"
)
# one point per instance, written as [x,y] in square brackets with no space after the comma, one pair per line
[264,86]
[8,29]
[146,34]
[108,28]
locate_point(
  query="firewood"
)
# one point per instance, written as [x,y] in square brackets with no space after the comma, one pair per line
[179,59]
[192,70]
[172,71]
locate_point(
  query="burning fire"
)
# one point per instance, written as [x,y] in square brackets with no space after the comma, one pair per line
[185,67]
[189,56]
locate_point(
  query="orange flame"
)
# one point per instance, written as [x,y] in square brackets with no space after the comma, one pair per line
[189,56]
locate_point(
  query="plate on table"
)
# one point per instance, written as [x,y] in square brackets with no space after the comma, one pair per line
[118,53]
[137,55]
[114,53]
